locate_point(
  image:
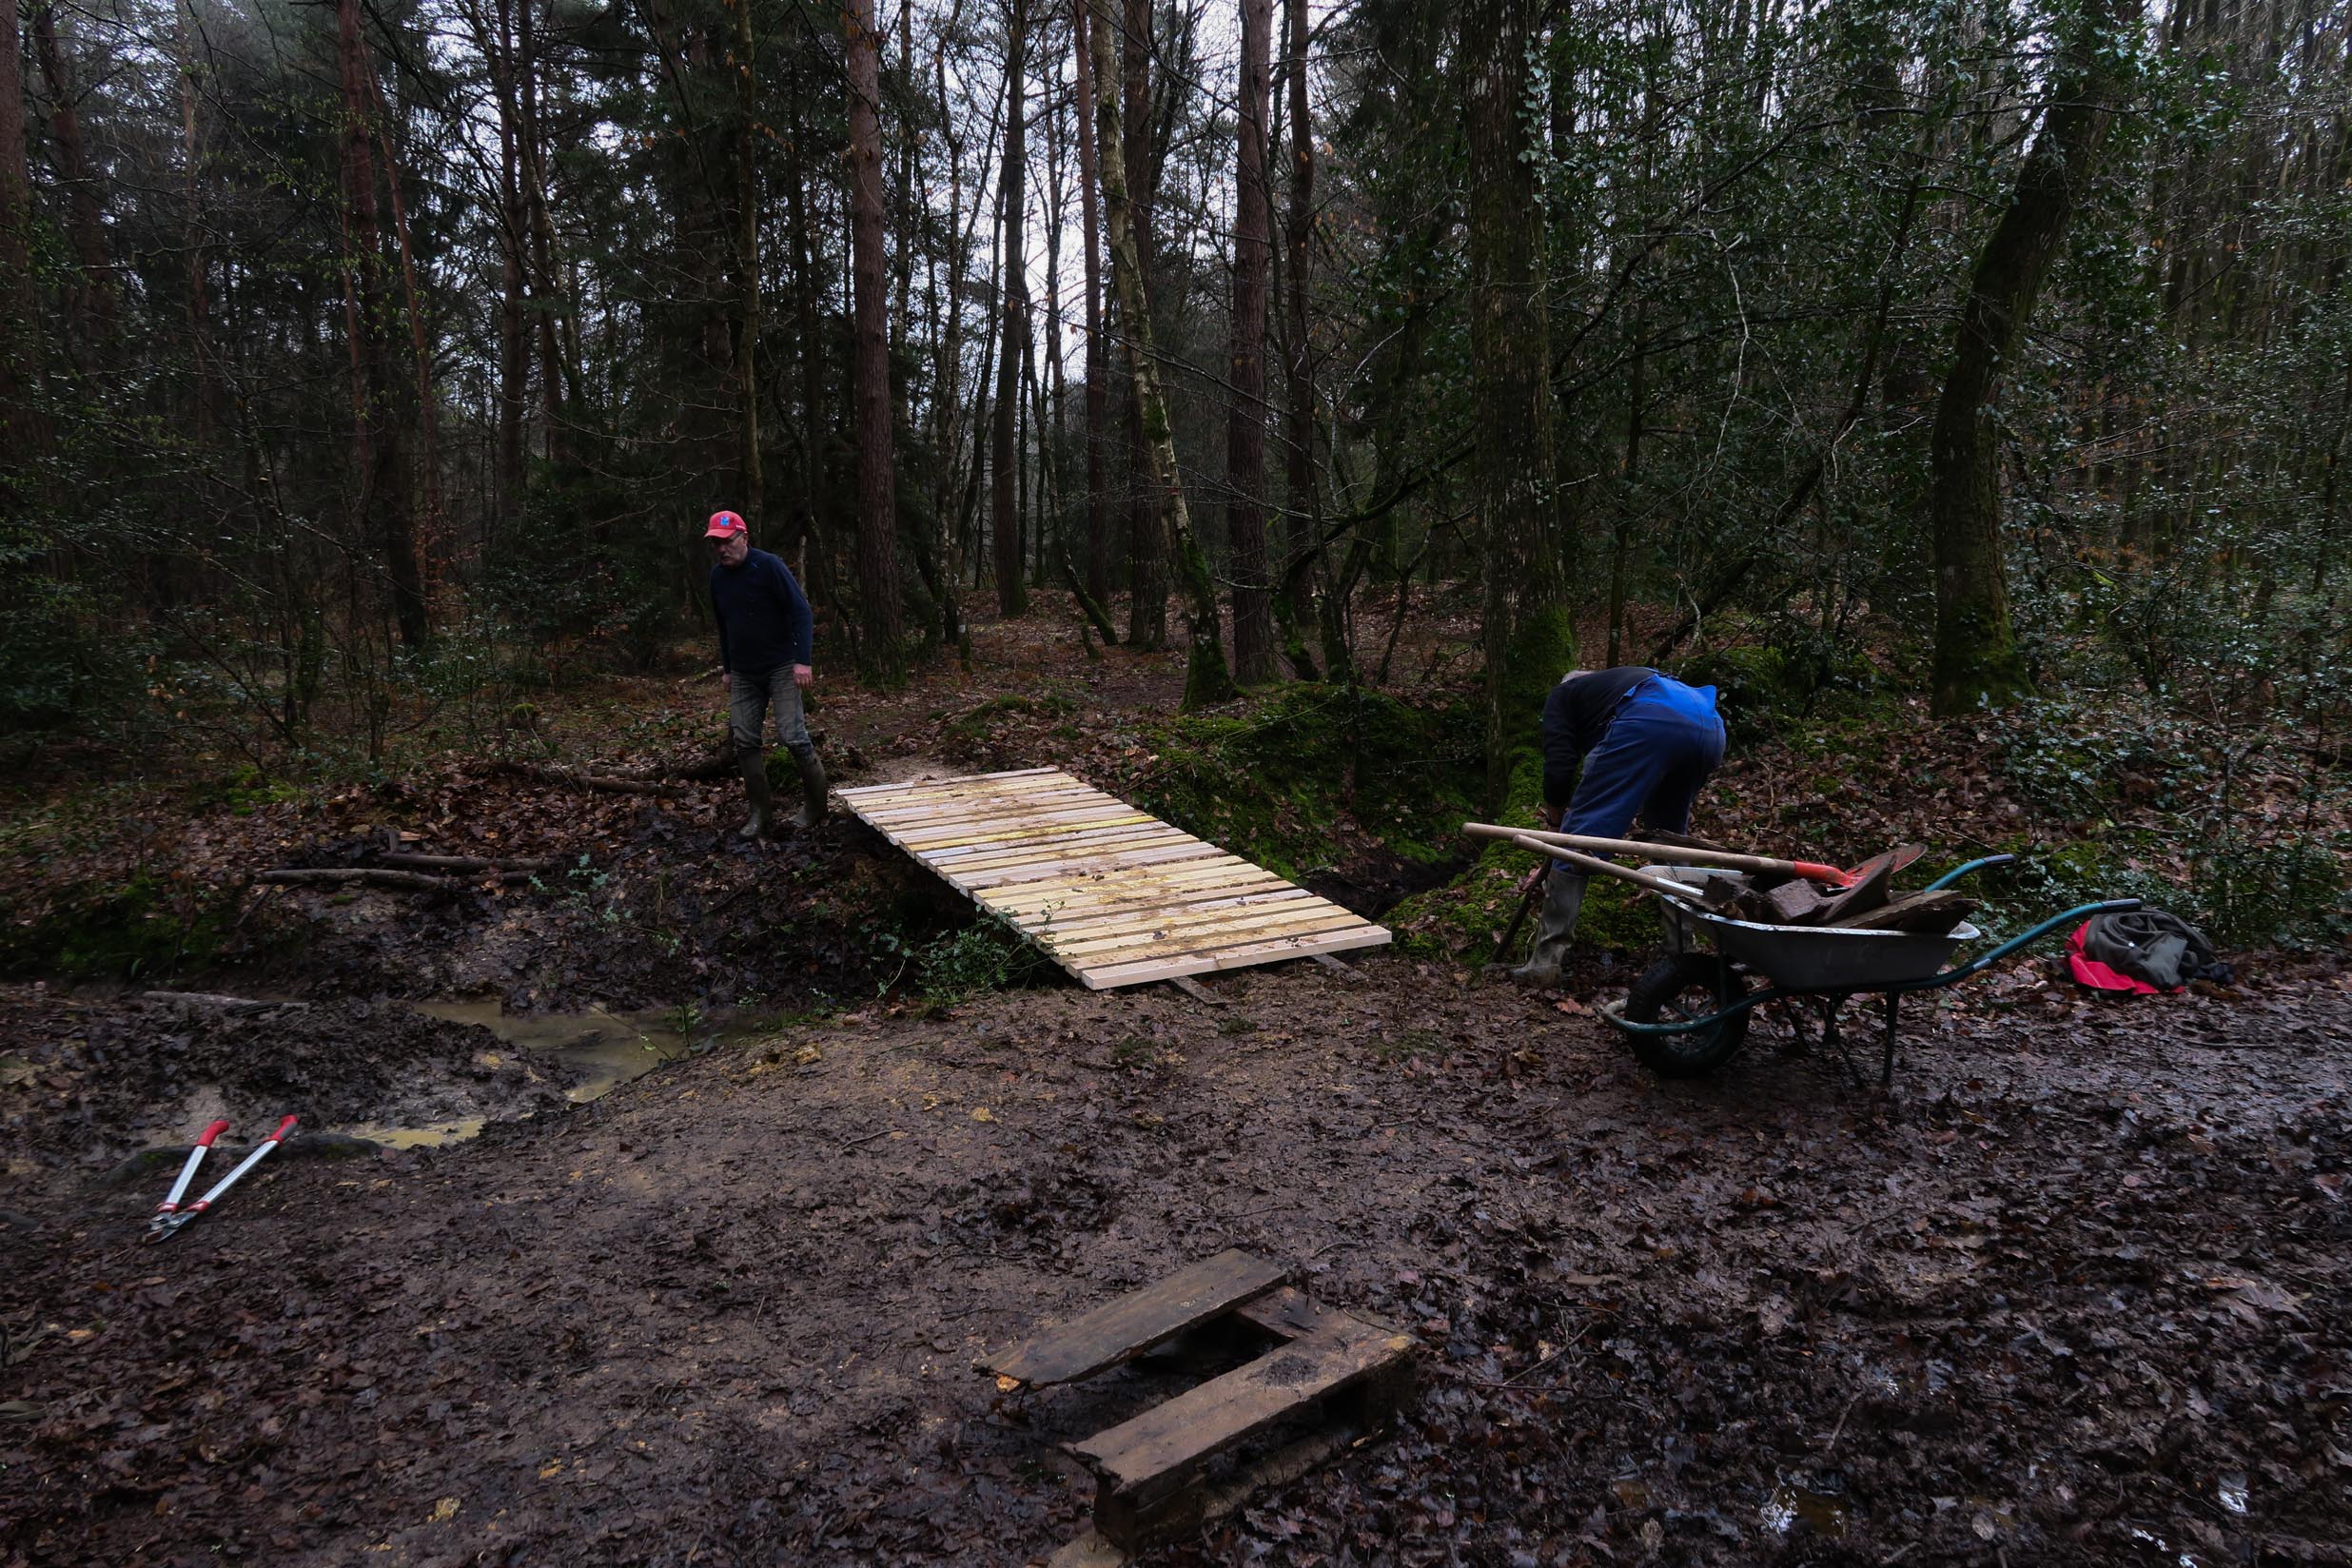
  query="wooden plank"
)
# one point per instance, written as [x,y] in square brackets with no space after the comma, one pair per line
[1113,895]
[1290,1313]
[894,797]
[1121,1330]
[1141,886]
[1185,936]
[1101,918]
[1071,834]
[1105,974]
[971,806]
[1008,828]
[1163,913]
[1115,856]
[1214,928]
[959,781]
[1160,1450]
[958,861]
[965,784]
[1030,861]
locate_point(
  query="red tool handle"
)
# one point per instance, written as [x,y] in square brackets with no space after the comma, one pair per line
[1812,870]
[204,1141]
[284,1127]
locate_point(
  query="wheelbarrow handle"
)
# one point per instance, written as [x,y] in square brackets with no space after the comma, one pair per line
[2080,911]
[1959,871]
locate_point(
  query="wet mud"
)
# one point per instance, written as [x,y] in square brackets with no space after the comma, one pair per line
[2066,1295]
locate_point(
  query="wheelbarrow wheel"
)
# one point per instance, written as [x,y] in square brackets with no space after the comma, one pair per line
[1680,987]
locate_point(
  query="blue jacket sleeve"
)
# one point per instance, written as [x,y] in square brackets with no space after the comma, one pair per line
[719,614]
[800,626]
[1561,756]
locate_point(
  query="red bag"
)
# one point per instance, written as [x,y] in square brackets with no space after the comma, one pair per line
[2098,976]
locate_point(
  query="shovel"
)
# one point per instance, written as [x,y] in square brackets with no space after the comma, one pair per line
[1812,871]
[1589,864]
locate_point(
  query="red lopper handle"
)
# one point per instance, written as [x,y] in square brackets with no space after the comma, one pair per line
[284,1127]
[212,1132]
[1815,872]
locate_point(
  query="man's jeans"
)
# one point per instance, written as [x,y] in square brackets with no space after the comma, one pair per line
[750,695]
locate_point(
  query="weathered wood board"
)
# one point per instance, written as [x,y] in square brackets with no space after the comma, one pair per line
[1121,1330]
[1111,893]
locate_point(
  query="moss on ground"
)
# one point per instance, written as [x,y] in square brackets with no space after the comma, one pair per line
[1285,778]
[136,930]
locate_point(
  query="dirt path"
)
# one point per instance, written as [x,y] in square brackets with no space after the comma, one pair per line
[2070,1296]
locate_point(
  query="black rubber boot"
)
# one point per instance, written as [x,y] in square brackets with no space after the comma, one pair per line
[1563,899]
[813,803]
[756,786]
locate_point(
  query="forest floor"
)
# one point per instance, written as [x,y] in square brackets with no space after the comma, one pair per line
[2065,1295]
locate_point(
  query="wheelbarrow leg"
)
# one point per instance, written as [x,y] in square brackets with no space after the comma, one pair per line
[1886,1067]
[1831,1039]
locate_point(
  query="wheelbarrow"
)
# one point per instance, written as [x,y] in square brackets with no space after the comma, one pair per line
[1687,1013]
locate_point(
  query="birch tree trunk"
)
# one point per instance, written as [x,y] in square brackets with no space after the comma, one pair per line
[1005,503]
[1207,678]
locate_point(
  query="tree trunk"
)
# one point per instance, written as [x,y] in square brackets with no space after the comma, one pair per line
[1527,637]
[1098,357]
[1004,503]
[744,257]
[429,426]
[1977,661]
[1147,529]
[21,425]
[514,228]
[1303,497]
[92,305]
[1207,678]
[196,292]
[1253,630]
[877,507]
[381,461]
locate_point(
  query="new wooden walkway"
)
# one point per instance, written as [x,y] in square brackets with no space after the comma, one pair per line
[1113,895]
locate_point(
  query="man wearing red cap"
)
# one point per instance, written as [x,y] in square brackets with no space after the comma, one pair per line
[764,642]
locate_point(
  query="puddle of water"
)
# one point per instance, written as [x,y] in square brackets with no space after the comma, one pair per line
[2232,1492]
[605,1048]
[1823,1512]
[608,1048]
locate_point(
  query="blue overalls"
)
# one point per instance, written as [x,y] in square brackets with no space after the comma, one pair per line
[1664,741]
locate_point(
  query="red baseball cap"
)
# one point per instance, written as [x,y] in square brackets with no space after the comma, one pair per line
[726,525]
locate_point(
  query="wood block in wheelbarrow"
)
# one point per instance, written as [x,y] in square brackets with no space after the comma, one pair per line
[1922,913]
[1790,904]
[1867,891]
[1148,1467]
[1121,1330]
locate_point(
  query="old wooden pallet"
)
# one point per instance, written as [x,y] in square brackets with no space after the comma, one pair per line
[1133,1323]
[1331,1378]
[1148,1466]
[1110,893]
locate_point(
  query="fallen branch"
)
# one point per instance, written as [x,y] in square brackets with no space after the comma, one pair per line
[585,781]
[402,881]
[464,863]
[210,999]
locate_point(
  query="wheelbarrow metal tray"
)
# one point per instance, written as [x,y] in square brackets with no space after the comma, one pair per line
[1829,958]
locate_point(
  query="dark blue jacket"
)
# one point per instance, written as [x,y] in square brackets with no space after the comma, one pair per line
[763,617]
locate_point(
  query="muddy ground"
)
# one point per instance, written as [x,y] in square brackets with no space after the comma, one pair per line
[2069,1295]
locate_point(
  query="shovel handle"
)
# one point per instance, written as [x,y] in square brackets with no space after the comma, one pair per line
[1608,868]
[1810,870]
